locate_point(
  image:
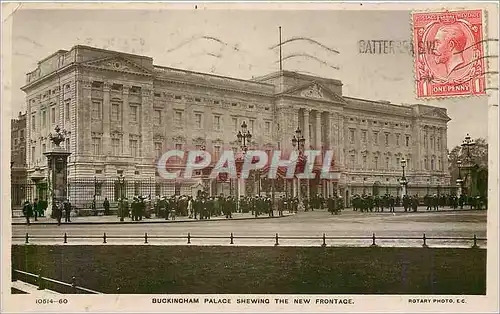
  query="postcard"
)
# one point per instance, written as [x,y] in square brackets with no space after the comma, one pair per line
[250,157]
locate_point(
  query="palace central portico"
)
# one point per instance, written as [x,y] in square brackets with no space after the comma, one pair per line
[121,112]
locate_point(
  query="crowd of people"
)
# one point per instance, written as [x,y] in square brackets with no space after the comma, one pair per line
[38,208]
[205,206]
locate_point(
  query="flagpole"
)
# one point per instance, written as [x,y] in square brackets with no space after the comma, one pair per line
[281,59]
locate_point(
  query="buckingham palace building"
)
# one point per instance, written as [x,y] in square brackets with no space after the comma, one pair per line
[121,113]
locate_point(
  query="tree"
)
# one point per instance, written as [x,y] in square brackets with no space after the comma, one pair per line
[479,172]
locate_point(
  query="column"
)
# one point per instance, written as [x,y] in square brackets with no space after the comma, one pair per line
[106,113]
[125,121]
[306,128]
[318,130]
[146,120]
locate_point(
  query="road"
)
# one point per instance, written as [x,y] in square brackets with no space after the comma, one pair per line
[304,224]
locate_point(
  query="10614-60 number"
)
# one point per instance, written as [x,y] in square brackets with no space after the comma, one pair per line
[51,301]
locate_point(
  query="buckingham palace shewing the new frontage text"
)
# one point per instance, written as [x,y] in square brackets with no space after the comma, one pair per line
[121,112]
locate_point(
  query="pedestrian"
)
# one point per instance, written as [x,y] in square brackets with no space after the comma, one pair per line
[105,204]
[35,208]
[27,211]
[67,210]
[57,210]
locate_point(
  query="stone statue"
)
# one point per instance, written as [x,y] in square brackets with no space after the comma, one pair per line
[58,137]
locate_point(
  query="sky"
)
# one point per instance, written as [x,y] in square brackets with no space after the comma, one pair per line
[238,43]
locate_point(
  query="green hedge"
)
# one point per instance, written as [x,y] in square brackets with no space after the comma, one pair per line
[278,270]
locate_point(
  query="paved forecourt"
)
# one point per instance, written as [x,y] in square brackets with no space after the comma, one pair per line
[460,224]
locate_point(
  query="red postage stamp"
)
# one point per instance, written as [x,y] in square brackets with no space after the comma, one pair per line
[449,54]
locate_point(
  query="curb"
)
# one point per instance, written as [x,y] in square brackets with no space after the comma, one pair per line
[143,221]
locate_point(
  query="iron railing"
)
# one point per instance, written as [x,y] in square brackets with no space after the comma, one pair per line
[55,285]
[372,239]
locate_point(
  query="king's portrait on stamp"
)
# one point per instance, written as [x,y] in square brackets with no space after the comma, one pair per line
[250,157]
[449,59]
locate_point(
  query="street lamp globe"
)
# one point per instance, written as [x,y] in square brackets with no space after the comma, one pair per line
[403,162]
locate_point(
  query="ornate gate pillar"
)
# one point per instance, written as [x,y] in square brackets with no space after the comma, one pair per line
[57,164]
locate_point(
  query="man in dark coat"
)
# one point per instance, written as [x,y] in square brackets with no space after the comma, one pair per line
[27,211]
[105,204]
[67,211]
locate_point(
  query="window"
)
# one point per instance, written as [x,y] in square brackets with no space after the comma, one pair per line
[44,148]
[33,154]
[44,118]
[115,112]
[217,122]
[235,124]
[97,85]
[397,139]
[438,143]
[363,136]
[178,146]
[268,127]
[252,124]
[66,110]
[397,163]
[157,117]
[386,139]
[197,120]
[432,164]
[426,165]
[216,153]
[364,162]
[408,164]
[21,133]
[99,171]
[425,140]
[133,148]
[96,144]
[351,161]
[33,122]
[178,97]
[197,99]
[117,87]
[68,148]
[53,115]
[375,162]
[119,172]
[96,110]
[116,145]
[158,149]
[351,135]
[178,118]
[440,164]
[432,142]
[133,114]
[136,90]
[386,162]
[407,141]
[375,138]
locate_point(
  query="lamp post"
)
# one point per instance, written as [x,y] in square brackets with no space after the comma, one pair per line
[244,137]
[403,179]
[298,141]
[121,183]
[467,144]
[460,181]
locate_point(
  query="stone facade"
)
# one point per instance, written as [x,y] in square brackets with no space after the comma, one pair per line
[18,148]
[122,112]
[18,174]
